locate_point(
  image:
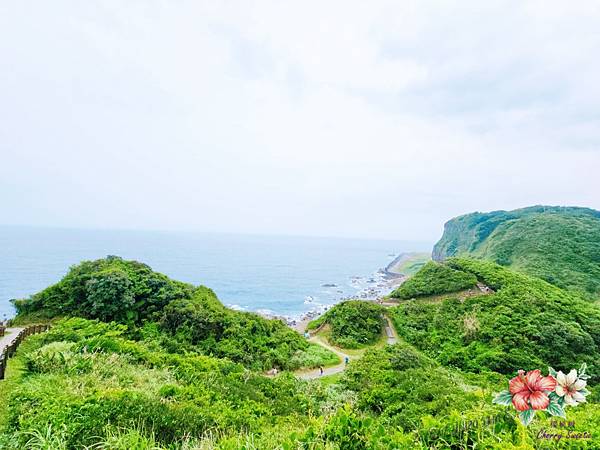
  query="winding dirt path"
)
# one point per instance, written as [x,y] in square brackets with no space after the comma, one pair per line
[391,336]
[316,373]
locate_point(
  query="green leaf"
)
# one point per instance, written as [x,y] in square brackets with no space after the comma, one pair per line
[554,409]
[526,416]
[552,372]
[503,398]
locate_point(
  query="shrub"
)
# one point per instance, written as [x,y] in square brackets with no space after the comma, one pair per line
[354,323]
[527,323]
[109,289]
[434,278]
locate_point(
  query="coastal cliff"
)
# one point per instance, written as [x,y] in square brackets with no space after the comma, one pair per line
[558,244]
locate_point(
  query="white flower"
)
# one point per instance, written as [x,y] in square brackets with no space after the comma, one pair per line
[571,388]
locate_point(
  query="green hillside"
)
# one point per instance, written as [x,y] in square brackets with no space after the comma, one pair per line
[558,244]
[135,360]
[434,278]
[353,323]
[187,319]
[526,323]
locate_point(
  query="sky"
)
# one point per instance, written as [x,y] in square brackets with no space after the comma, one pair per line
[379,119]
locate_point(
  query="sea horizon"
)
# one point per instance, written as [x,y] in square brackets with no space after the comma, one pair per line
[277,275]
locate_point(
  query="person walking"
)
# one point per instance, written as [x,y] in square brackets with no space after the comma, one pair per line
[321,371]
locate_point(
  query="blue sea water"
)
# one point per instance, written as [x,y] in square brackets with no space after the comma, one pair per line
[277,274]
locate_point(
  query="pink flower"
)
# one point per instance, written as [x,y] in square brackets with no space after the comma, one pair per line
[568,386]
[530,390]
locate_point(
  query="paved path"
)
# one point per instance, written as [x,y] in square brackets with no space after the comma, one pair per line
[392,338]
[316,373]
[390,331]
[6,340]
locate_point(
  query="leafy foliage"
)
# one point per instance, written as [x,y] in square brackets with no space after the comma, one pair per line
[558,244]
[434,278]
[354,323]
[78,387]
[191,319]
[201,323]
[164,365]
[107,289]
[126,396]
[527,323]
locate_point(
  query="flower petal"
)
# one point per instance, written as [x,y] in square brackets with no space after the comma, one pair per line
[572,377]
[560,391]
[519,401]
[561,378]
[532,378]
[517,385]
[579,385]
[569,400]
[539,400]
[578,397]
[546,383]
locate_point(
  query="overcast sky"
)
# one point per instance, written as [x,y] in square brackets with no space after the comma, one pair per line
[357,119]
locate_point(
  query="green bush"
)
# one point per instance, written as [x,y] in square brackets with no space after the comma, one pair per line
[527,323]
[354,323]
[172,315]
[109,289]
[434,278]
[204,325]
[313,356]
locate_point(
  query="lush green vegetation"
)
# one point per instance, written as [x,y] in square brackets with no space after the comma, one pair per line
[139,361]
[435,278]
[183,318]
[107,289]
[202,324]
[410,263]
[558,244]
[88,384]
[527,323]
[353,323]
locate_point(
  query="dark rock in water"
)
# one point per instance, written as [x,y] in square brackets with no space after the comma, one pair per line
[329,285]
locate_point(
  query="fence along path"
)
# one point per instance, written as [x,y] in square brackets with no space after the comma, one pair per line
[10,338]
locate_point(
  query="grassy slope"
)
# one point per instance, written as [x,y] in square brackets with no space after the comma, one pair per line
[560,245]
[527,323]
[157,399]
[147,392]
[352,324]
[411,263]
[120,391]
[434,278]
[186,318]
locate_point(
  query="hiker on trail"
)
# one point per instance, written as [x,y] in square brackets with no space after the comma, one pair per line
[321,370]
[346,360]
[307,335]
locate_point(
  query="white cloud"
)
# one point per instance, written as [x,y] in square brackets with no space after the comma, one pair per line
[377,119]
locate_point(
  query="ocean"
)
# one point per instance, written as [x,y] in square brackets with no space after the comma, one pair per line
[279,275]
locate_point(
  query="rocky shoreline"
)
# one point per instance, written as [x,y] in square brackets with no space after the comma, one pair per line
[373,288]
